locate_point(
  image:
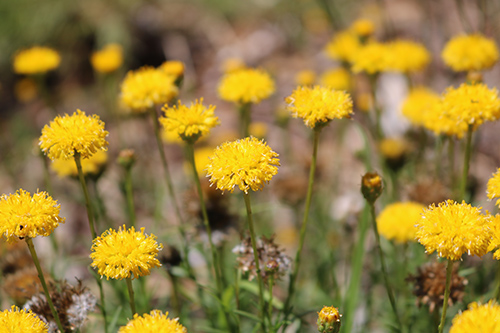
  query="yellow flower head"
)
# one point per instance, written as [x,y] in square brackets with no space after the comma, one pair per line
[470,52]
[397,221]
[363,27]
[452,229]
[372,58]
[440,122]
[76,133]
[319,105]
[90,166]
[344,46]
[393,148]
[154,322]
[146,87]
[305,78]
[338,79]
[189,122]
[493,188]
[329,314]
[36,60]
[173,67]
[478,319]
[247,163]
[107,60]
[407,56]
[495,240]
[258,129]
[20,321]
[418,104]
[125,254]
[23,215]
[246,85]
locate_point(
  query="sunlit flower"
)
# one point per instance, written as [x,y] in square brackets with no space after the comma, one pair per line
[329,320]
[372,58]
[397,221]
[246,85]
[452,229]
[305,78]
[154,322]
[319,105]
[146,87]
[495,240]
[247,163]
[493,188]
[173,67]
[338,79]
[344,46]
[440,122]
[470,52]
[189,122]
[90,166]
[125,254]
[393,148]
[407,56]
[418,103]
[76,133]
[20,321]
[107,60]
[36,60]
[362,27]
[23,215]
[478,319]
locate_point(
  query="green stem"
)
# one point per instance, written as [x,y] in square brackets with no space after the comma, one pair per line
[449,270]
[48,186]
[270,307]
[245,119]
[237,296]
[131,299]
[90,214]
[384,270]
[31,247]
[129,195]
[465,174]
[103,304]
[176,304]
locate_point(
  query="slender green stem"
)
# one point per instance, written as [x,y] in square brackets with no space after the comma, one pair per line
[103,304]
[90,214]
[48,186]
[465,174]
[176,304]
[131,299]
[451,158]
[237,273]
[31,247]
[378,134]
[270,307]
[129,195]
[390,293]
[253,239]
[245,119]
[449,270]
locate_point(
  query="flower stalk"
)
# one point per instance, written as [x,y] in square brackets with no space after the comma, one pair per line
[465,174]
[131,299]
[449,269]
[81,177]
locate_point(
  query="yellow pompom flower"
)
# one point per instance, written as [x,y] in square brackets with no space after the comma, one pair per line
[397,221]
[319,105]
[247,163]
[338,79]
[36,60]
[470,53]
[146,87]
[493,187]
[21,321]
[362,27]
[23,215]
[173,67]
[440,122]
[246,85]
[125,253]
[90,166]
[76,133]
[372,58]
[452,229]
[189,122]
[344,46]
[329,320]
[305,78]
[478,319]
[418,104]
[154,322]
[107,60]
[495,240]
[393,148]
[407,56]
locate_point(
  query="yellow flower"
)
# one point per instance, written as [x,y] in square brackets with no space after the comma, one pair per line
[125,254]
[393,148]
[247,163]
[76,133]
[23,215]
[418,104]
[20,321]
[470,52]
[495,240]
[154,322]
[189,122]
[258,129]
[36,60]
[441,122]
[452,229]
[246,85]
[146,87]
[372,58]
[408,56]
[305,78]
[107,60]
[90,166]
[397,221]
[344,46]
[318,105]
[173,67]
[478,319]
[493,188]
[362,27]
[338,79]
[329,320]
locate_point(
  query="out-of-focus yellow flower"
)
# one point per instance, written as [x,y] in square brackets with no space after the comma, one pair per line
[108,59]
[246,85]
[418,104]
[247,163]
[319,105]
[407,56]
[154,322]
[495,240]
[24,215]
[305,78]
[125,254]
[397,221]
[258,129]
[329,320]
[232,64]
[344,46]
[478,319]
[452,229]
[470,53]
[146,87]
[36,60]
[338,79]
[493,187]
[364,101]
[372,58]
[371,186]
[362,27]
[76,133]
[90,166]
[393,148]
[440,122]
[190,123]
[25,90]
[173,68]
[17,321]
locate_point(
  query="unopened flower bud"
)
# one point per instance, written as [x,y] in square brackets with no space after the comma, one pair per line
[329,320]
[371,186]
[127,158]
